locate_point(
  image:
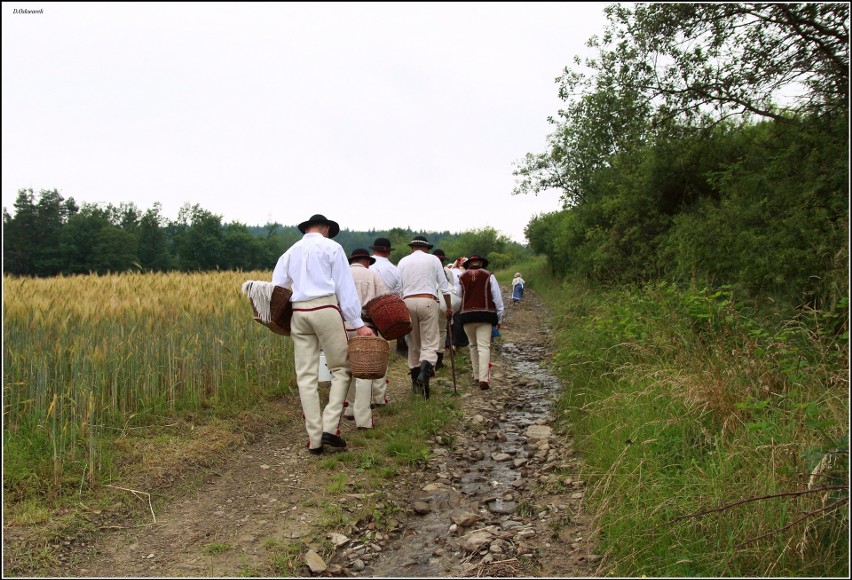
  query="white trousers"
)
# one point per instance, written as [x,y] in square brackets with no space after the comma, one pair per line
[479,337]
[380,390]
[318,324]
[423,338]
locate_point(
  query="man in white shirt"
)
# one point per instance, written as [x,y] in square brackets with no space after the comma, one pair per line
[422,277]
[390,274]
[317,271]
[369,285]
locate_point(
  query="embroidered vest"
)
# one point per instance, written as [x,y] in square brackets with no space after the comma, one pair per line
[477,304]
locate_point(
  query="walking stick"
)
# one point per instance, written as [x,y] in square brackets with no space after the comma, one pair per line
[452,354]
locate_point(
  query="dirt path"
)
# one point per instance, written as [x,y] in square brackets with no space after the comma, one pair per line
[272,496]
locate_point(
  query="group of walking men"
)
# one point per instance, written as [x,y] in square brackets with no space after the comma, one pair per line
[330,291]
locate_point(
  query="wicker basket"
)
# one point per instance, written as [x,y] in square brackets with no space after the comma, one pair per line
[390,315]
[368,356]
[281,310]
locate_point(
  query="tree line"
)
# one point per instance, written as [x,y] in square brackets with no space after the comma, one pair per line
[705,143]
[49,235]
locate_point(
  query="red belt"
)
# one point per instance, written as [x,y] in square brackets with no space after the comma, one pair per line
[335,306]
[432,296]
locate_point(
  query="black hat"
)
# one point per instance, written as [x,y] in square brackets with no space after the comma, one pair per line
[333,230]
[420,241]
[361,254]
[383,244]
[473,257]
[440,253]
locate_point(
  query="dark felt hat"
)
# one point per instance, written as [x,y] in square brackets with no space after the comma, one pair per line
[441,254]
[333,230]
[420,241]
[361,254]
[473,257]
[383,244]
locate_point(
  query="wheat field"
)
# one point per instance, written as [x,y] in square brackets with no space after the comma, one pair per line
[89,355]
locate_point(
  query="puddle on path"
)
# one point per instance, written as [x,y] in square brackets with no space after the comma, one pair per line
[485,481]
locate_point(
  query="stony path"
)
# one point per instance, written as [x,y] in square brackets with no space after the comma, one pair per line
[503,492]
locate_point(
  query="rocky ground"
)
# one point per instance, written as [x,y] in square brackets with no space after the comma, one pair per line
[501,495]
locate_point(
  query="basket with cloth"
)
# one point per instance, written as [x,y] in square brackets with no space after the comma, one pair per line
[271,305]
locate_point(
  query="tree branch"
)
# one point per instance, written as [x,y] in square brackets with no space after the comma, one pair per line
[829,507]
[752,499]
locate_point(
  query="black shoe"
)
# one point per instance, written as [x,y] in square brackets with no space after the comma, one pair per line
[426,371]
[440,364]
[315,450]
[414,385]
[333,440]
[484,386]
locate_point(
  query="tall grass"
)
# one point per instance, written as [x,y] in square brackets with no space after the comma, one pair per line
[715,435]
[87,356]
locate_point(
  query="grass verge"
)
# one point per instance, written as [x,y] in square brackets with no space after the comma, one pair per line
[715,435]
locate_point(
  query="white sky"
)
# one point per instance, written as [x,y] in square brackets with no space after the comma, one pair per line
[377,115]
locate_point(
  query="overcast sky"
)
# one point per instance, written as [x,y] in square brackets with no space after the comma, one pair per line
[377,115]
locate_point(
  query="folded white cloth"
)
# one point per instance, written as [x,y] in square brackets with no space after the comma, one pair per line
[260,294]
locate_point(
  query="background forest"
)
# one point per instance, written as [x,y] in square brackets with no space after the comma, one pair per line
[50,235]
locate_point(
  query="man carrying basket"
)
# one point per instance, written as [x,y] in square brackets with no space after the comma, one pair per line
[317,271]
[368,285]
[390,274]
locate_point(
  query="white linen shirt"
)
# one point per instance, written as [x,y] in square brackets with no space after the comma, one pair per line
[388,272]
[316,266]
[422,273]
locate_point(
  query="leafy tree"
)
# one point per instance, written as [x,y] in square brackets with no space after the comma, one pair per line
[399,238]
[197,239]
[20,238]
[32,237]
[126,216]
[243,251]
[115,250]
[779,222]
[153,246]
[737,58]
[656,151]
[92,243]
[79,238]
[482,241]
[669,68]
